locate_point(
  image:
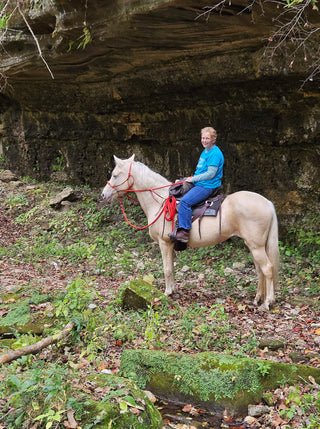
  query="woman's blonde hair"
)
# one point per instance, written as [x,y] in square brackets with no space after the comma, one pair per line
[213,133]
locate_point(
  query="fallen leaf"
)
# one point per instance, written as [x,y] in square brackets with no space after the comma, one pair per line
[187,408]
[242,307]
[151,396]
[277,421]
[71,423]
[312,380]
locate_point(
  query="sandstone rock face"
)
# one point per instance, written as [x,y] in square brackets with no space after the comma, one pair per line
[143,77]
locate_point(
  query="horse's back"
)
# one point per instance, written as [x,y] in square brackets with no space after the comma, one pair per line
[248,201]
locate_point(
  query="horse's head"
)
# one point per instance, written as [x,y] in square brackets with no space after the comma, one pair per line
[120,180]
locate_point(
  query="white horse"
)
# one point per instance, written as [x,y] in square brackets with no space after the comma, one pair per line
[244,214]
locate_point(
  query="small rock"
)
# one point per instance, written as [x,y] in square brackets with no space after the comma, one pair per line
[297,357]
[257,410]
[317,340]
[249,420]
[8,176]
[106,371]
[66,205]
[141,265]
[140,294]
[67,194]
[238,265]
[16,184]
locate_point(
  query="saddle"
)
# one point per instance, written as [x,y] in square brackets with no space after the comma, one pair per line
[208,207]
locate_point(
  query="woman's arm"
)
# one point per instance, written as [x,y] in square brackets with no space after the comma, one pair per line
[209,174]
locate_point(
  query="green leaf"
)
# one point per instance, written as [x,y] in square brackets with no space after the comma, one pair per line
[123,407]
[131,400]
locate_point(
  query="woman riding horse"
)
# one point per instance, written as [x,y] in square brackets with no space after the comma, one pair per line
[244,214]
[207,181]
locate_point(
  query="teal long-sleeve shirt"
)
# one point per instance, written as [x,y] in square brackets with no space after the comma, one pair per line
[209,174]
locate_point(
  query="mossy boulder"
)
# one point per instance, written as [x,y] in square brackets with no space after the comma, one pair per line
[20,319]
[123,405]
[212,381]
[141,294]
[272,343]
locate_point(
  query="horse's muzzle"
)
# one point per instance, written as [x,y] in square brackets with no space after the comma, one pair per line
[108,194]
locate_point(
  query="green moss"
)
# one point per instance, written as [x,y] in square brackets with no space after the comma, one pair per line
[20,315]
[140,294]
[210,378]
[193,375]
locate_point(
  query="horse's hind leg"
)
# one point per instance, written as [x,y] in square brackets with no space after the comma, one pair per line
[167,259]
[261,290]
[265,289]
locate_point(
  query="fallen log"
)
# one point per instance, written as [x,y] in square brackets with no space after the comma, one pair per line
[36,347]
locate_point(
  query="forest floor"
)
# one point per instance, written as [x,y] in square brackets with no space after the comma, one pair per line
[289,333]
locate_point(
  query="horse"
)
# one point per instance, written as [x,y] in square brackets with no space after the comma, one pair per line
[244,214]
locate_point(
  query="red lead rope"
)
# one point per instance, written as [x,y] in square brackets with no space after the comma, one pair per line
[168,208]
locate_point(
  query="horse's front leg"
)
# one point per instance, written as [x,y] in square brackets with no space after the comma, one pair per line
[167,259]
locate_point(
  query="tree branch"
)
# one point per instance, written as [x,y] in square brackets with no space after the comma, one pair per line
[36,347]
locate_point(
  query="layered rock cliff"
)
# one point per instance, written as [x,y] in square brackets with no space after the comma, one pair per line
[143,77]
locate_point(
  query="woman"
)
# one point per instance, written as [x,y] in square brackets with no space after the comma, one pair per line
[206,180]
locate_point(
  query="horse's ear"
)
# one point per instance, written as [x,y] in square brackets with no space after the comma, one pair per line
[116,159]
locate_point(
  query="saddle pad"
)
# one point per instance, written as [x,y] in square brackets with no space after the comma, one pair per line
[210,211]
[213,205]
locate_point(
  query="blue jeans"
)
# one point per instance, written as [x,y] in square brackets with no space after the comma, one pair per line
[194,196]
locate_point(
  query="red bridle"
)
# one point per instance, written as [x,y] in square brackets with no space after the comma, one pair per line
[168,207]
[126,180]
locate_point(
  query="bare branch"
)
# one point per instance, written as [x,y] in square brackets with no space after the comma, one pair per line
[293,30]
[36,40]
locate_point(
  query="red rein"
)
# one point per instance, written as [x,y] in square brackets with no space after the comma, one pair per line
[168,208]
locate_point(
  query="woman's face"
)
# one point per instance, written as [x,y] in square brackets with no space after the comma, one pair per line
[207,141]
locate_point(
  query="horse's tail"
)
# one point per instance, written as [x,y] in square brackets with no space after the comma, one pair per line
[272,247]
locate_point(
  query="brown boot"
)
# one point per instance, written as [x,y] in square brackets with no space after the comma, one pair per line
[182,235]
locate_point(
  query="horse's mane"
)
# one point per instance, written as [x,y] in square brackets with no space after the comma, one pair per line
[151,178]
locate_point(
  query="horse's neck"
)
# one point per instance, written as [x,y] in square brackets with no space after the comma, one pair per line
[144,178]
